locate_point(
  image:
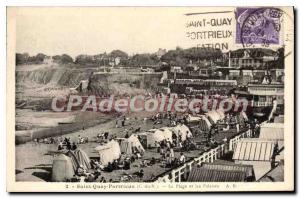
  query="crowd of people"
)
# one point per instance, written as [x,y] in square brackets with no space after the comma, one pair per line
[167,148]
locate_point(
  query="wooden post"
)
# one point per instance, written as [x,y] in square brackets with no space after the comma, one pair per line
[212,155]
[222,150]
[179,175]
[216,153]
[173,176]
[230,145]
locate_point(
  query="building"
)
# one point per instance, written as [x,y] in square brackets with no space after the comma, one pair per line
[277,75]
[177,69]
[256,152]
[205,72]
[48,60]
[247,72]
[208,86]
[245,60]
[234,74]
[160,52]
[258,74]
[221,173]
[273,132]
[264,94]
[114,61]
[274,175]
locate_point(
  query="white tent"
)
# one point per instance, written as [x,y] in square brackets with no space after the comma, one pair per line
[214,116]
[109,152]
[135,142]
[167,132]
[157,135]
[182,130]
[204,123]
[221,113]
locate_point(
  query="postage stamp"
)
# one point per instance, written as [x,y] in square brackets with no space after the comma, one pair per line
[258,26]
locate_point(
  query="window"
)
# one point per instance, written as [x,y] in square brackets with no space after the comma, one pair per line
[269,99]
[262,99]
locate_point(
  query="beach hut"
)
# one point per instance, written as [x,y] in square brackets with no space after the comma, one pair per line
[125,146]
[247,169]
[274,132]
[128,145]
[204,124]
[79,159]
[62,168]
[221,173]
[256,152]
[108,152]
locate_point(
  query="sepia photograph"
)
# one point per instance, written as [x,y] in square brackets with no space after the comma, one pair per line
[150,99]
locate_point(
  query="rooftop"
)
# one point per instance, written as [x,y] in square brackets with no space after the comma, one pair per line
[274,175]
[203,174]
[254,149]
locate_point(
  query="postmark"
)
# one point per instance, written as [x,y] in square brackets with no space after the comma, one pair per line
[258,26]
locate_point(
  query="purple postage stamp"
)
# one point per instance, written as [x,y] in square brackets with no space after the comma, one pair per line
[258,26]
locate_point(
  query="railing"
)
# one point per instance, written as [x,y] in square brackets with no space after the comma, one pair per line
[210,156]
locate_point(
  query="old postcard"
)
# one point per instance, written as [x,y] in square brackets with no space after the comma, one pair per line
[150,99]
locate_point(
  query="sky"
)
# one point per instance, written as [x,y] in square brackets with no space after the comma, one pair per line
[92,31]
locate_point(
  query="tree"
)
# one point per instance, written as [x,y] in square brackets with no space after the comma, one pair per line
[56,58]
[118,53]
[144,59]
[65,58]
[183,56]
[175,57]
[26,59]
[21,58]
[39,58]
[84,59]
